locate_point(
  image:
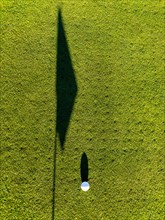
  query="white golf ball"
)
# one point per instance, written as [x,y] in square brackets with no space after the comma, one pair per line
[85,186]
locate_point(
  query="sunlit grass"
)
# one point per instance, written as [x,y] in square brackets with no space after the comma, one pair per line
[116,49]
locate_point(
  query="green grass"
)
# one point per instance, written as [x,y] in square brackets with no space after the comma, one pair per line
[118,117]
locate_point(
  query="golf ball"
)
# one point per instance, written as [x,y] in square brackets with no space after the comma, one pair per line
[85,186]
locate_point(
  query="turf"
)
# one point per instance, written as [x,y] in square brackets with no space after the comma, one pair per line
[116,52]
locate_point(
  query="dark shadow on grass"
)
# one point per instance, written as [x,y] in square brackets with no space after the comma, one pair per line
[84,168]
[66,86]
[66,91]
[54,178]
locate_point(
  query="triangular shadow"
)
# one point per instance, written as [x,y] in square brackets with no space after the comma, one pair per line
[66,86]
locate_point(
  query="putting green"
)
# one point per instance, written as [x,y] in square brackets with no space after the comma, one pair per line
[110,106]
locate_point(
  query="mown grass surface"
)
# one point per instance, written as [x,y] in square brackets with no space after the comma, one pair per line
[116,49]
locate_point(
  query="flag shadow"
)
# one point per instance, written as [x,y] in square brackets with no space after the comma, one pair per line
[66,91]
[66,86]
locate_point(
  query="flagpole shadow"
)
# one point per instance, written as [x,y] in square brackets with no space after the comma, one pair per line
[54,178]
[66,91]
